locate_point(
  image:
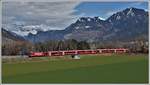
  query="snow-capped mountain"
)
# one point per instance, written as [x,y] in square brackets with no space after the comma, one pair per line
[129,23]
[128,14]
[82,27]
[25,30]
[124,25]
[86,23]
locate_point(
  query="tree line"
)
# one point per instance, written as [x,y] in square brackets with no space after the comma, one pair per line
[61,45]
[19,48]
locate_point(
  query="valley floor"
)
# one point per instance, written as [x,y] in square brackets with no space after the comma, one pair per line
[122,68]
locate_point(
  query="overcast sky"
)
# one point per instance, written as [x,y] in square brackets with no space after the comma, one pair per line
[59,15]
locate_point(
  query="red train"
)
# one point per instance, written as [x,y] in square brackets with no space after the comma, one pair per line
[77,52]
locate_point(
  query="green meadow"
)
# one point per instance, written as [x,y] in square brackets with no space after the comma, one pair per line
[121,68]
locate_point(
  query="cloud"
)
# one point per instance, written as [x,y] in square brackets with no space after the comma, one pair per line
[109,13]
[54,14]
[57,15]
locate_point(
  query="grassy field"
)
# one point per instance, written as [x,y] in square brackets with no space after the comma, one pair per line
[123,68]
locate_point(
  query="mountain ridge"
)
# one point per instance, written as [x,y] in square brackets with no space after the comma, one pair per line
[128,23]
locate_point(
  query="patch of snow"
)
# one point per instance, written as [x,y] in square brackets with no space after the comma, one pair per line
[111,22]
[118,17]
[21,33]
[101,18]
[76,27]
[26,29]
[89,19]
[87,26]
[123,13]
[80,20]
[130,12]
[34,32]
